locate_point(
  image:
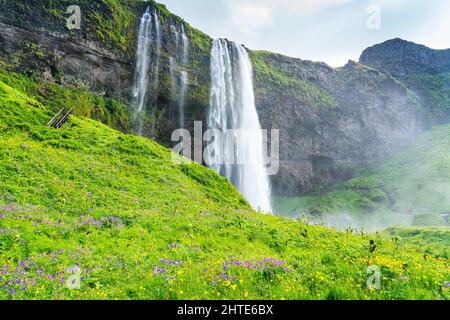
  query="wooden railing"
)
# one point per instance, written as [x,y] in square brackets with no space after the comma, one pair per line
[59,119]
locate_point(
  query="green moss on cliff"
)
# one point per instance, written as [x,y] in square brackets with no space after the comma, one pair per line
[270,77]
[115,26]
[434,89]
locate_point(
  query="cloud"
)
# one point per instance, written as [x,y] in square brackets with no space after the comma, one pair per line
[306,5]
[322,30]
[254,15]
[435,33]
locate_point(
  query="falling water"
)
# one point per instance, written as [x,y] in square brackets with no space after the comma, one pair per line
[141,77]
[182,100]
[176,35]
[180,79]
[184,77]
[146,58]
[173,74]
[232,106]
[158,50]
[184,37]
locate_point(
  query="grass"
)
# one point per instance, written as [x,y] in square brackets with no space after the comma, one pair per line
[433,240]
[114,26]
[84,103]
[138,226]
[266,71]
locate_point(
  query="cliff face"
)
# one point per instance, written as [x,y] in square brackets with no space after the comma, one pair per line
[331,120]
[34,39]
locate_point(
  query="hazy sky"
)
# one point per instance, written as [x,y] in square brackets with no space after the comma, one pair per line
[332,31]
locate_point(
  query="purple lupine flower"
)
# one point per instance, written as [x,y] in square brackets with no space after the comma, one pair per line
[447,284]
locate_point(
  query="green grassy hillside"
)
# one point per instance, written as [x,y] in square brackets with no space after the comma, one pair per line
[432,240]
[141,227]
[411,188]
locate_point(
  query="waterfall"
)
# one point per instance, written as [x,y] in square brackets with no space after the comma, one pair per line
[232,106]
[180,78]
[184,78]
[176,35]
[141,76]
[145,58]
[158,51]
[173,74]
[185,39]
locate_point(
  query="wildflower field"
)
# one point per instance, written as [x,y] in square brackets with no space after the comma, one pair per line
[87,212]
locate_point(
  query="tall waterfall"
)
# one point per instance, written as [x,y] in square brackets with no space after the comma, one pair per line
[141,75]
[179,62]
[158,49]
[232,106]
[184,77]
[149,37]
[185,39]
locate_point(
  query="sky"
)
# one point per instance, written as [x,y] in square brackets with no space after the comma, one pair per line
[331,31]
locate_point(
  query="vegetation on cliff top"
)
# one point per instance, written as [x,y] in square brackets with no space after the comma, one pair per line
[269,75]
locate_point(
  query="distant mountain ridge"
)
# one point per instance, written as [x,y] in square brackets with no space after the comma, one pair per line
[424,70]
[400,57]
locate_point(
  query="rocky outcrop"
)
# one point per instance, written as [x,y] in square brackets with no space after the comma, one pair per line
[424,70]
[402,58]
[63,61]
